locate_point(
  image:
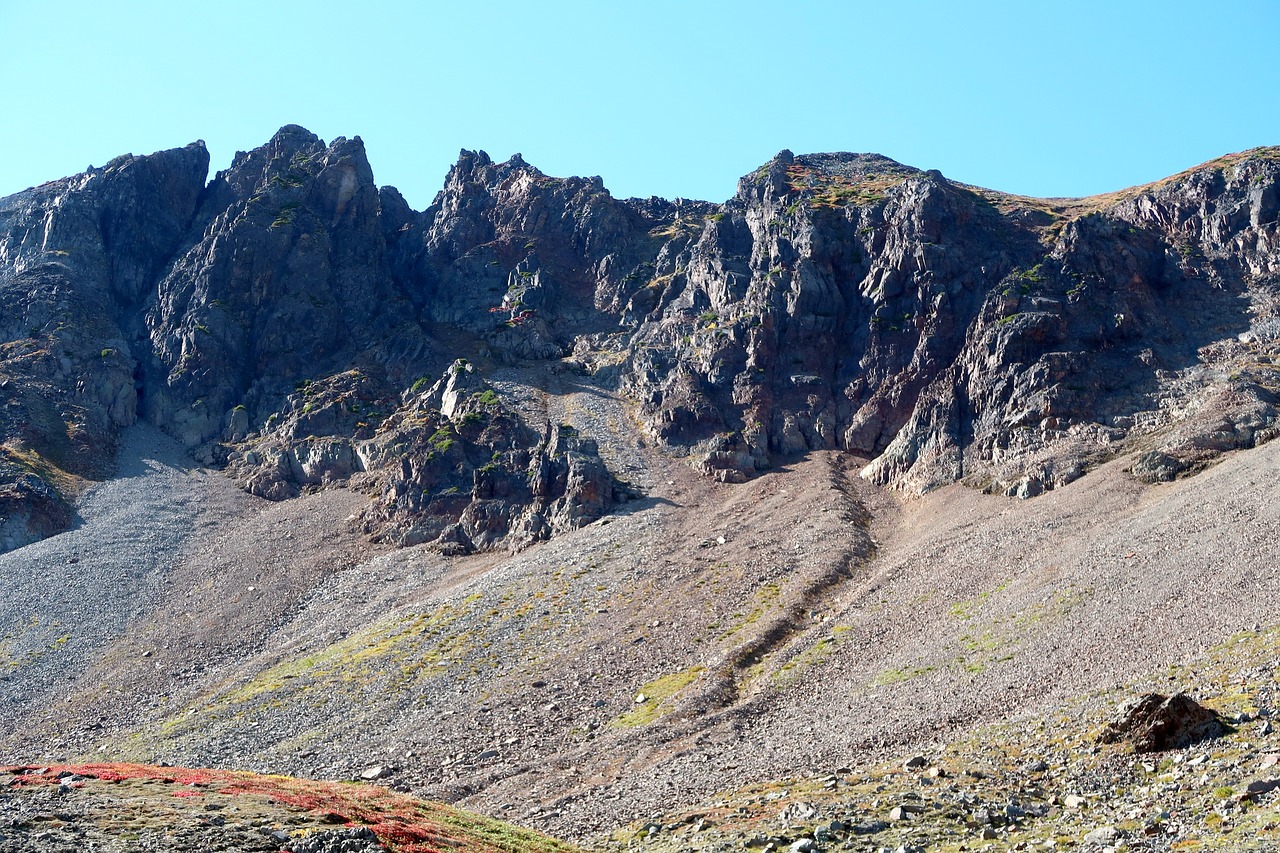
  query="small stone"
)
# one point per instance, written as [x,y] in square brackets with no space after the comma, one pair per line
[803,845]
[1102,835]
[987,833]
[377,771]
[1036,766]
[914,763]
[798,813]
[1074,801]
[641,698]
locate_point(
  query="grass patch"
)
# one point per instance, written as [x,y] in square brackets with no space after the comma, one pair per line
[657,694]
[897,676]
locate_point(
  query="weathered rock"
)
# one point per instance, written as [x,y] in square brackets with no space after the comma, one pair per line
[77,259]
[479,476]
[280,319]
[1103,835]
[356,839]
[1257,788]
[1153,723]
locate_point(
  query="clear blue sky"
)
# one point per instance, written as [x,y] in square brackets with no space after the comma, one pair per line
[657,97]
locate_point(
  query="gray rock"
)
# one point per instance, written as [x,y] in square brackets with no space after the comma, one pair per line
[1257,788]
[1103,835]
[797,813]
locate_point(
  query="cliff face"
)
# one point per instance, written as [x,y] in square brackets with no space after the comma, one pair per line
[78,260]
[301,326]
[947,333]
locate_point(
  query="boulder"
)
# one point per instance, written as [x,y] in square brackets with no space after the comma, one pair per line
[1154,723]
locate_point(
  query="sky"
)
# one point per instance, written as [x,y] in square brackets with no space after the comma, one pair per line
[658,98]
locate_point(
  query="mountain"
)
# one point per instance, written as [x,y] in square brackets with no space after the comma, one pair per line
[553,500]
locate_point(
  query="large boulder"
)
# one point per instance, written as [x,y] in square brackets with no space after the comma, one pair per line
[1154,723]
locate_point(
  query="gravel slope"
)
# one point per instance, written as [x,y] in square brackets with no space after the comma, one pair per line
[64,598]
[790,626]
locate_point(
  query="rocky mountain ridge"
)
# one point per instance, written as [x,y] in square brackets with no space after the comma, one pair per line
[303,327]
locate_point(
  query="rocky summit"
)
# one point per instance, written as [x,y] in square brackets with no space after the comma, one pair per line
[576,509]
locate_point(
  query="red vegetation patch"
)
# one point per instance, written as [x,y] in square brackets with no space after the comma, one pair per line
[402,824]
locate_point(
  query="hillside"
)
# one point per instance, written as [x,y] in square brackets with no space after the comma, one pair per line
[577,511]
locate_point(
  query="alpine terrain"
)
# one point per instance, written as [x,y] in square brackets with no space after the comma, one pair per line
[867,510]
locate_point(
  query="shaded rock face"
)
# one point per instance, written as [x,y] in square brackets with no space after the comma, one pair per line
[290,320]
[948,333]
[1154,723]
[528,262]
[287,282]
[77,257]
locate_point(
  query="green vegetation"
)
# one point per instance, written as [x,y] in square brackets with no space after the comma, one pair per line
[290,179]
[286,214]
[810,657]
[895,676]
[442,439]
[964,608]
[656,694]
[766,596]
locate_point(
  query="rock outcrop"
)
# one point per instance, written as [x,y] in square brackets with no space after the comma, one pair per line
[290,318]
[78,258]
[1155,723]
[949,333]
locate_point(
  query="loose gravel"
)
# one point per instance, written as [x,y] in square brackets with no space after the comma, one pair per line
[65,597]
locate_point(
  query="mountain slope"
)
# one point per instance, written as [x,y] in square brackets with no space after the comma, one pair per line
[551,502]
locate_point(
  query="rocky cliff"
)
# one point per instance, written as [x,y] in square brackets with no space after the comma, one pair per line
[297,324]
